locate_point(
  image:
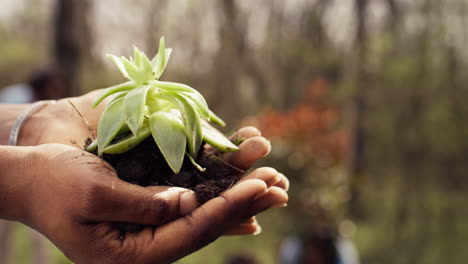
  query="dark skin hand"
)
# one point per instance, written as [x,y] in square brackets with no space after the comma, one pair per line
[73,197]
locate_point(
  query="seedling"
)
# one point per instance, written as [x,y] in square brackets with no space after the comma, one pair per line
[174,114]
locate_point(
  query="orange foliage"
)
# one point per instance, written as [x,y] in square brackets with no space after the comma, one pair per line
[311,126]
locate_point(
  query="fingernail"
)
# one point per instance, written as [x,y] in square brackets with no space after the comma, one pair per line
[188,202]
[260,194]
[279,205]
[258,230]
[287,184]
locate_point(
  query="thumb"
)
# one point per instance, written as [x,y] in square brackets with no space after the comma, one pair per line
[119,201]
[183,236]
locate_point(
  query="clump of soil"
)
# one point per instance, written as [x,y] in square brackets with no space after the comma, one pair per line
[144,165]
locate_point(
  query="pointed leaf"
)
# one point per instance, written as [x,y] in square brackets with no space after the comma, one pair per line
[128,142]
[119,64]
[117,96]
[93,146]
[188,92]
[192,125]
[159,61]
[134,105]
[146,66]
[199,102]
[137,56]
[216,139]
[169,133]
[173,86]
[191,120]
[114,89]
[134,73]
[110,123]
[215,119]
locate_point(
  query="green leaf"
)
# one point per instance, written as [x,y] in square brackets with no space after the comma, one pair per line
[119,64]
[114,89]
[191,120]
[217,120]
[216,139]
[134,73]
[110,123]
[159,61]
[143,63]
[137,56]
[173,86]
[188,92]
[134,105]
[93,146]
[117,96]
[128,142]
[169,133]
[192,124]
[146,66]
[199,102]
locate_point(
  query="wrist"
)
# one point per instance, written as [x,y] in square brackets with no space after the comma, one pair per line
[9,114]
[35,125]
[17,169]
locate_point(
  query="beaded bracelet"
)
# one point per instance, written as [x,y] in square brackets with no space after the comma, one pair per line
[23,117]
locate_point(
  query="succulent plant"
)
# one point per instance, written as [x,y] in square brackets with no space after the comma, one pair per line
[176,115]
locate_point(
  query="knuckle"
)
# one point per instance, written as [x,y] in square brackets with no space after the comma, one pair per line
[93,198]
[200,234]
[160,209]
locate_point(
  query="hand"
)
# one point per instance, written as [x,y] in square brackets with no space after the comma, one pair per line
[83,229]
[69,121]
[74,197]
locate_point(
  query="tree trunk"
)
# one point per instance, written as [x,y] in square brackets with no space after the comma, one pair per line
[72,42]
[357,108]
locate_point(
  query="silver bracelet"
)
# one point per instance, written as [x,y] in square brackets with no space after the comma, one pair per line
[13,139]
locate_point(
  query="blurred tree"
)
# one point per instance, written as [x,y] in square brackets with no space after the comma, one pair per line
[72,41]
[154,17]
[357,107]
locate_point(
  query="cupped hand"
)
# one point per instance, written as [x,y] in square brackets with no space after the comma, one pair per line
[70,121]
[75,198]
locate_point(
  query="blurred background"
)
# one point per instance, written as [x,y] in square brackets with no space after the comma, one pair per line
[364,102]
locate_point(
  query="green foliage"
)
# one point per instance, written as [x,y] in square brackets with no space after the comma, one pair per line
[175,114]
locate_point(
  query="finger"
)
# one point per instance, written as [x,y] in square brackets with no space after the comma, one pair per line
[244,229]
[249,221]
[250,151]
[269,175]
[118,201]
[183,236]
[246,132]
[243,133]
[274,198]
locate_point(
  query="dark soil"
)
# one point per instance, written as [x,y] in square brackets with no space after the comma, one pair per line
[144,165]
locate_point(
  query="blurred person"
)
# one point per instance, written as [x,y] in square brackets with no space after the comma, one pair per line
[73,197]
[43,85]
[322,247]
[319,243]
